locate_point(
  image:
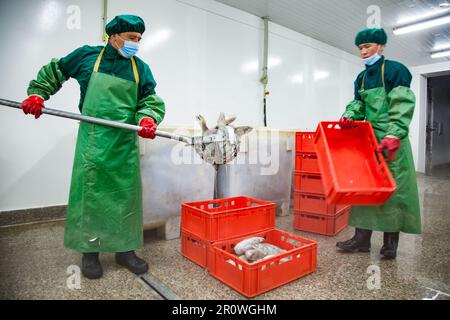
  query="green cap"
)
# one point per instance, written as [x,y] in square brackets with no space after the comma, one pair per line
[125,23]
[371,35]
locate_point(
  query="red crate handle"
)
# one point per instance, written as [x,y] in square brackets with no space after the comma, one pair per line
[311,176]
[313,196]
[195,213]
[313,217]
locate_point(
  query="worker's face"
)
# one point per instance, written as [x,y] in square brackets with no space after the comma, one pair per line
[366,50]
[119,39]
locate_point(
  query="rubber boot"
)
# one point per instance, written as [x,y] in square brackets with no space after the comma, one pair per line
[90,266]
[130,261]
[359,243]
[390,245]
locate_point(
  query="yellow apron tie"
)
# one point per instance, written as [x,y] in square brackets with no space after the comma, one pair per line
[133,64]
[382,76]
[97,63]
[136,74]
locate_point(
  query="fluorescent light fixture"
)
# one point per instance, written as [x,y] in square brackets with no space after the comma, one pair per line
[423,25]
[416,18]
[441,46]
[442,54]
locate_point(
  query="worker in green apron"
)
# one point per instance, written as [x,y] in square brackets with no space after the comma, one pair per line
[383,97]
[105,202]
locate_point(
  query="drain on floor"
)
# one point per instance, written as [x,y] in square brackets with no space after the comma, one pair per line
[158,287]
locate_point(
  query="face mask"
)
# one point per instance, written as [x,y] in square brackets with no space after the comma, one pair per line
[129,49]
[372,60]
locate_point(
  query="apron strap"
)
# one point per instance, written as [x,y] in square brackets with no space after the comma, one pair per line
[382,76]
[97,63]
[136,73]
[133,64]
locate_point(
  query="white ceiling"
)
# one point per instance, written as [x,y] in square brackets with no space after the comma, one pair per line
[336,22]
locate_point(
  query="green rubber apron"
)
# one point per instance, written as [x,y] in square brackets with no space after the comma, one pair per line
[105,202]
[401,213]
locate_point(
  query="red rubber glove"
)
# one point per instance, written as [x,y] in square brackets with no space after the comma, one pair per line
[33,105]
[392,144]
[148,128]
[346,123]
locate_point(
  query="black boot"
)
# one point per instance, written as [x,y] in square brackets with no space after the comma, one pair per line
[360,242]
[90,266]
[390,244]
[131,262]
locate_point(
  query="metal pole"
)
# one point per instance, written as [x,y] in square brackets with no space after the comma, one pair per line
[105,20]
[109,123]
[265,78]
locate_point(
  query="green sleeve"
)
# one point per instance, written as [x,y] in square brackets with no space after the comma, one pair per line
[148,84]
[397,75]
[151,106]
[401,110]
[72,64]
[49,80]
[355,110]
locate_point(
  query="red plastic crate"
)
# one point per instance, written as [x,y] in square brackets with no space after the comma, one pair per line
[195,249]
[308,183]
[320,223]
[304,142]
[307,163]
[222,219]
[315,203]
[253,279]
[354,172]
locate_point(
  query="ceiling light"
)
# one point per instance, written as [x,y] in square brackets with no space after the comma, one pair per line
[441,46]
[415,18]
[421,25]
[441,54]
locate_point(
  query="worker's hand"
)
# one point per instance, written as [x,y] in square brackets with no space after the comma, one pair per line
[33,105]
[392,144]
[148,128]
[346,123]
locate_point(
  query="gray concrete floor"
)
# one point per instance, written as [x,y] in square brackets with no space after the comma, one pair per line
[33,264]
[441,171]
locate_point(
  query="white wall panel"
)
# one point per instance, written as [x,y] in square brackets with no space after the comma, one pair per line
[206,58]
[36,156]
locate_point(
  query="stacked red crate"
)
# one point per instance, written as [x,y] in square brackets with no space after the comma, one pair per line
[312,213]
[211,229]
[204,223]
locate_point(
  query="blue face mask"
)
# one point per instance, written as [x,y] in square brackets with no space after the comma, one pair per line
[372,60]
[129,49]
